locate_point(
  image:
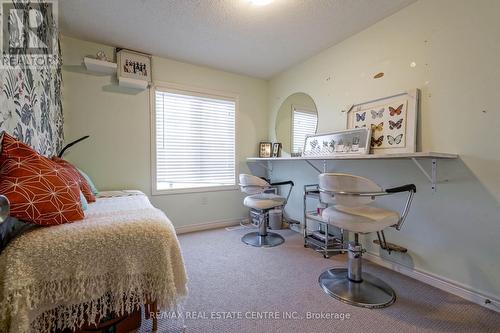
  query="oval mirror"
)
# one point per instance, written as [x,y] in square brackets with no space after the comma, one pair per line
[297,117]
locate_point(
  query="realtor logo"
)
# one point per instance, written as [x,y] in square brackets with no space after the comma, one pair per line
[29,32]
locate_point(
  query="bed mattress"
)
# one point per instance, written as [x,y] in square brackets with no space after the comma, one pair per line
[123,254]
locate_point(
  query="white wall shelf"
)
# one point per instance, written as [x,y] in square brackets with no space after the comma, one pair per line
[99,66]
[415,157]
[132,83]
[360,157]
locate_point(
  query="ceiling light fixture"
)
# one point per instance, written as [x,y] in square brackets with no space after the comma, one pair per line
[260,2]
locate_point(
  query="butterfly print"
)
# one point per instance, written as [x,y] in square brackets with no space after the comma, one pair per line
[377,142]
[394,140]
[393,111]
[364,125]
[379,127]
[360,116]
[377,114]
[397,124]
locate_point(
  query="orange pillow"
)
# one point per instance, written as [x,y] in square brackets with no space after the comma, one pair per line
[82,182]
[39,190]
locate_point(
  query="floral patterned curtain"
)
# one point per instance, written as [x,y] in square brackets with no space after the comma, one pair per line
[30,102]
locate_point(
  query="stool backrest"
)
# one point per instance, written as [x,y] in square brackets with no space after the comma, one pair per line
[341,182]
[251,184]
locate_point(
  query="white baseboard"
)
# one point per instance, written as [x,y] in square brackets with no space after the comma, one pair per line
[208,225]
[453,287]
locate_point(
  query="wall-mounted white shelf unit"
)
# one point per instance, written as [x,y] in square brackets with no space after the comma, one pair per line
[99,66]
[415,157]
[132,83]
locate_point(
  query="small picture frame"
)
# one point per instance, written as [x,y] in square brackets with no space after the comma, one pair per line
[277,149]
[265,149]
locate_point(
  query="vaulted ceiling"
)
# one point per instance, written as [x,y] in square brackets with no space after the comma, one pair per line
[231,35]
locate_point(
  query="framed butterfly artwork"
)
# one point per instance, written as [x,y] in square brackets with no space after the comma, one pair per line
[392,121]
[346,142]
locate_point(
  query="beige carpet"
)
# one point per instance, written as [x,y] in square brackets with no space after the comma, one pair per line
[227,276]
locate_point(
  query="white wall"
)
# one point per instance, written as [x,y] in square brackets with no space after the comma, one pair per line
[455,232]
[117,155]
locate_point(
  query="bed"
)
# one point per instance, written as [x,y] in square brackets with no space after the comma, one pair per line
[124,254]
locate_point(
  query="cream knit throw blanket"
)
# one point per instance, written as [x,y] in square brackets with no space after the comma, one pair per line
[124,253]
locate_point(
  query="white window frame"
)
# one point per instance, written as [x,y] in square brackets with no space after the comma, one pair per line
[195,91]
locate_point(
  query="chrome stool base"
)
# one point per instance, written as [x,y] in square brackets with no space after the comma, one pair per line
[370,293]
[254,239]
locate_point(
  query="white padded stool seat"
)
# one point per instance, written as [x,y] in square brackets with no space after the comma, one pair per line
[361,219]
[263,201]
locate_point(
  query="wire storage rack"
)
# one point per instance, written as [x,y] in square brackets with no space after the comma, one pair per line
[323,237]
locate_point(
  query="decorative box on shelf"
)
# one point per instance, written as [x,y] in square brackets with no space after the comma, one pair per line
[341,143]
[134,69]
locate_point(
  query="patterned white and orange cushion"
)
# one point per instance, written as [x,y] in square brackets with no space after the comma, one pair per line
[39,190]
[82,182]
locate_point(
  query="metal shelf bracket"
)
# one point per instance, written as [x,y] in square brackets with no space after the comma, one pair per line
[266,165]
[315,167]
[432,177]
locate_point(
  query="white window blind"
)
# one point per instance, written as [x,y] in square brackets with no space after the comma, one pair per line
[195,140]
[304,123]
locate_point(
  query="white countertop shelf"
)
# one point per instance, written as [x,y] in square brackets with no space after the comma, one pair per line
[415,157]
[429,155]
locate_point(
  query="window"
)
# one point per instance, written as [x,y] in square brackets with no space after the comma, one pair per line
[303,124]
[194,140]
